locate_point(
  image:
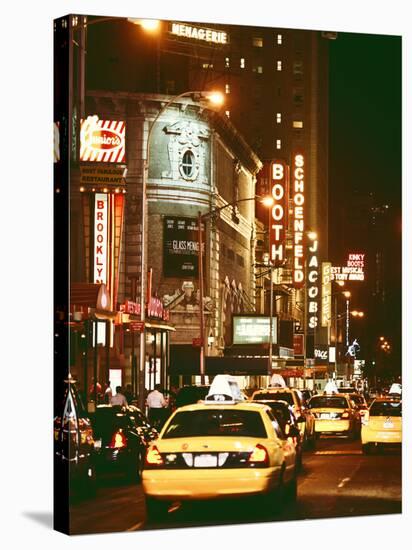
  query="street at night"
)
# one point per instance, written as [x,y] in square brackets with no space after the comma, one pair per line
[336,481]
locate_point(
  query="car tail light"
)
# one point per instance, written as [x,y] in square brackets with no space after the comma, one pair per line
[118,441]
[153,457]
[259,455]
[345,414]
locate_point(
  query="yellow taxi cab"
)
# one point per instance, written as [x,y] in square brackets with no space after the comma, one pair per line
[292,396]
[382,424]
[336,414]
[221,447]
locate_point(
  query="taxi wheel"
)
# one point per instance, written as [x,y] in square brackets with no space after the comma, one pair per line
[156,509]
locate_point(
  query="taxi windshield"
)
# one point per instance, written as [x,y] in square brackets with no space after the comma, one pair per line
[386,408]
[328,402]
[274,396]
[216,422]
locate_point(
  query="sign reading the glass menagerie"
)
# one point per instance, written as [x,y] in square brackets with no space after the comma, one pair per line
[180,247]
[102,140]
[199,33]
[253,329]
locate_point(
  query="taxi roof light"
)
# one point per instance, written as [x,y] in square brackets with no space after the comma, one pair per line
[224,389]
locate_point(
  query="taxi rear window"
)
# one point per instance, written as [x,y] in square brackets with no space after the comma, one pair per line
[386,408]
[324,402]
[216,422]
[274,396]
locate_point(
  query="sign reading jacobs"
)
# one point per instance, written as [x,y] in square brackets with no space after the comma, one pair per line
[180,247]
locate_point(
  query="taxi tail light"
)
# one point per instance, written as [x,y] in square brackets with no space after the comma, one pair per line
[153,457]
[259,455]
[119,441]
[345,414]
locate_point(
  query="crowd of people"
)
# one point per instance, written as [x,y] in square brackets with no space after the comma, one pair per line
[159,403]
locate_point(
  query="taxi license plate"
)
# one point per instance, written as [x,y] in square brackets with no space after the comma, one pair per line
[388,424]
[205,461]
[324,415]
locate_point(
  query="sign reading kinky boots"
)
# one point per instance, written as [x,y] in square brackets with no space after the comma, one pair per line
[180,247]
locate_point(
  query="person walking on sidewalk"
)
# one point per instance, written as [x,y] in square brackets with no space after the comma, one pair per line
[156,403]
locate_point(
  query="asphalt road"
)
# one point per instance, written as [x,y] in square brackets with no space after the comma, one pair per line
[336,481]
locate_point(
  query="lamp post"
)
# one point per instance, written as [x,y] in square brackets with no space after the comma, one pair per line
[200,218]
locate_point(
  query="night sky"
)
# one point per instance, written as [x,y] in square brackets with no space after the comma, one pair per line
[365,161]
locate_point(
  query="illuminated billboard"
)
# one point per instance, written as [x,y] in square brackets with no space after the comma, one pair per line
[101,212]
[253,329]
[278,212]
[199,33]
[298,200]
[353,271]
[102,140]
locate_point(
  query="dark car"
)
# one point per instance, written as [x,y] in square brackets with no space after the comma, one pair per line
[74,467]
[121,436]
[188,395]
[288,424]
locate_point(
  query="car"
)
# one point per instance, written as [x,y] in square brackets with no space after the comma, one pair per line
[382,425]
[307,394]
[74,451]
[305,418]
[187,395]
[335,414]
[222,447]
[121,436]
[288,423]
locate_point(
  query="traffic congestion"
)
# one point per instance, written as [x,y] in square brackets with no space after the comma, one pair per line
[213,445]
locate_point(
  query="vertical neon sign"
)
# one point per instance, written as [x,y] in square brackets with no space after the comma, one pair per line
[298,198]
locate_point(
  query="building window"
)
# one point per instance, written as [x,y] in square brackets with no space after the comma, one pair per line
[227,88]
[279,39]
[298,124]
[242,63]
[298,70]
[227,62]
[258,69]
[279,65]
[298,96]
[257,42]
[278,118]
[227,113]
[240,260]
[188,164]
[278,144]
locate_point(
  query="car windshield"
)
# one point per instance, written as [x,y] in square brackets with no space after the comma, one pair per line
[328,402]
[386,408]
[215,422]
[271,396]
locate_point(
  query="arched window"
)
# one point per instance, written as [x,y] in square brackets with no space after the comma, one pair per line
[188,164]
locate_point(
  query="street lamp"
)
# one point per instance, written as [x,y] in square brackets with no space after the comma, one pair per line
[200,217]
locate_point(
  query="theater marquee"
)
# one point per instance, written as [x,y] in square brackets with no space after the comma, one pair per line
[199,33]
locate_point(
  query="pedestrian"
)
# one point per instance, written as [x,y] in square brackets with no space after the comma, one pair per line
[156,403]
[119,399]
[128,393]
[98,391]
[108,394]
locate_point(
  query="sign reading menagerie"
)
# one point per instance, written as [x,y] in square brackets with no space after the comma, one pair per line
[199,33]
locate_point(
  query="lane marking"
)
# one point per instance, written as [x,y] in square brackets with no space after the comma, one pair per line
[343,482]
[339,453]
[135,527]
